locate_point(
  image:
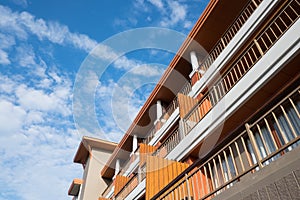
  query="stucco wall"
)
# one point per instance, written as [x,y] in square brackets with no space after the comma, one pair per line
[94,185]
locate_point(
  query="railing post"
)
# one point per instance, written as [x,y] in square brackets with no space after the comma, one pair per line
[254,3]
[181,129]
[254,144]
[222,41]
[216,94]
[258,47]
[188,187]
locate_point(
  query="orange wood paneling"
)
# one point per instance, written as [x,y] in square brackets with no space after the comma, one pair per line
[160,172]
[196,76]
[185,103]
[144,151]
[120,182]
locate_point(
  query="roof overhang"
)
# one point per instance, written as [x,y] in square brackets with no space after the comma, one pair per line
[89,143]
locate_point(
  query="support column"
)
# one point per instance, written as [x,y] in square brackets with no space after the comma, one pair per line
[117,168]
[159,110]
[134,144]
[194,60]
[196,73]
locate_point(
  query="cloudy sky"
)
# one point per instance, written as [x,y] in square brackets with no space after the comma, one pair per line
[43,45]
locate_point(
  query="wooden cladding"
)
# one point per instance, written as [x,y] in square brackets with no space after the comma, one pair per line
[186,103]
[145,150]
[102,198]
[160,172]
[196,77]
[120,182]
[132,183]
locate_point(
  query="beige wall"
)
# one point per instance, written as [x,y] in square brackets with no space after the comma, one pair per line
[94,185]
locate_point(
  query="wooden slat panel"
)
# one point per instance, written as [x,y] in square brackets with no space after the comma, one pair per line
[144,151]
[120,182]
[160,172]
[185,103]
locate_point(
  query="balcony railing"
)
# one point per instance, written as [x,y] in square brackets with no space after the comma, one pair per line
[167,113]
[271,136]
[169,144]
[255,50]
[229,34]
[132,183]
[128,163]
[107,190]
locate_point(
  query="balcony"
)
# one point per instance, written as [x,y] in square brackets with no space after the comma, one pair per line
[166,114]
[228,35]
[270,137]
[133,182]
[253,53]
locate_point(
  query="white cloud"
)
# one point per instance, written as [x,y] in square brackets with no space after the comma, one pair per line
[147,70]
[11,117]
[178,13]
[4,58]
[140,5]
[104,52]
[34,99]
[6,41]
[7,85]
[37,140]
[188,24]
[158,3]
[137,67]
[25,55]
[22,24]
[22,3]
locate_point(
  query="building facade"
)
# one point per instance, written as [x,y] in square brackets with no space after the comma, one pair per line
[92,154]
[229,128]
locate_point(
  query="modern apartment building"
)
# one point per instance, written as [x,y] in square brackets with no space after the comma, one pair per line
[230,128]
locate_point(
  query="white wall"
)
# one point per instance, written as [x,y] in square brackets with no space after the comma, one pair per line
[94,185]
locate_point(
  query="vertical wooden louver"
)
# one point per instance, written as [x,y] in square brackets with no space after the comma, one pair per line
[145,150]
[185,103]
[102,198]
[120,182]
[160,172]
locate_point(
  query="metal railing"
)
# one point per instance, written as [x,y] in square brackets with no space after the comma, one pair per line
[124,169]
[255,50]
[169,110]
[271,136]
[132,183]
[187,87]
[169,144]
[107,190]
[167,113]
[128,163]
[229,34]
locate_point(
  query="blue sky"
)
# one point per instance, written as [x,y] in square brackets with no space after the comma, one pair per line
[42,46]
